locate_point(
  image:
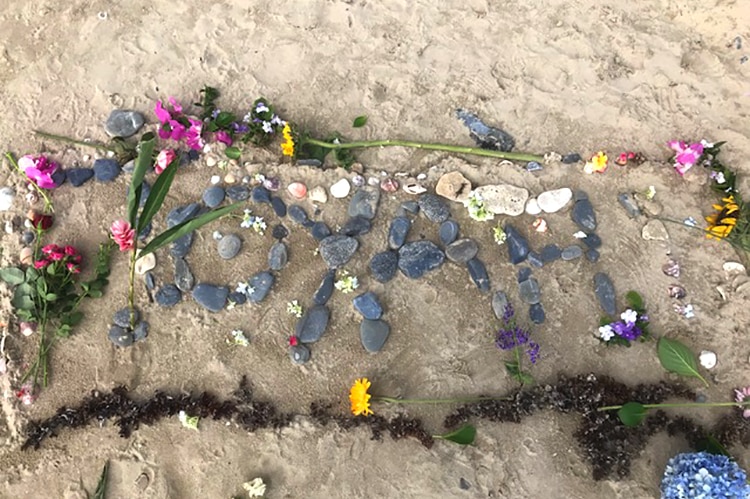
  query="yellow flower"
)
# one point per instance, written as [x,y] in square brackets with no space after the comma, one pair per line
[597,164]
[287,147]
[720,224]
[359,397]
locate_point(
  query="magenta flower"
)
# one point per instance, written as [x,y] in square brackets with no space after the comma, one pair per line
[224,137]
[40,264]
[164,159]
[123,234]
[193,135]
[39,170]
[170,127]
[685,155]
[72,268]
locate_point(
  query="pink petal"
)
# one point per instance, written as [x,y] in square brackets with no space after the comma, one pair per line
[687,158]
[161,114]
[26,162]
[175,105]
[676,145]
[681,169]
[164,133]
[697,148]
[224,137]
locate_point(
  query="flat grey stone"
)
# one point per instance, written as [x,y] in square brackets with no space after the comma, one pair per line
[605,293]
[325,289]
[229,246]
[122,123]
[434,208]
[168,296]
[398,231]
[462,251]
[417,258]
[183,277]
[374,334]
[572,252]
[529,291]
[368,305]
[312,324]
[364,203]
[338,250]
[277,256]
[121,337]
[261,284]
[212,298]
[384,265]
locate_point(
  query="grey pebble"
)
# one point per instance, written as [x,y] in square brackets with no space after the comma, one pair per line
[417,258]
[535,260]
[434,208]
[374,334]
[411,207]
[262,282]
[299,354]
[277,256]
[592,255]
[150,281]
[298,214]
[238,193]
[384,265]
[523,274]
[182,213]
[106,170]
[529,291]
[583,215]
[122,123]
[140,332]
[550,253]
[605,293]
[325,289]
[593,241]
[229,246]
[572,252]
[168,296]
[337,250]
[183,277]
[213,196]
[27,237]
[356,226]
[448,231]
[478,274]
[571,158]
[398,231]
[364,203]
[499,302]
[627,201]
[536,313]
[120,337]
[122,317]
[181,246]
[279,207]
[312,324]
[79,176]
[368,305]
[261,195]
[462,251]
[279,232]
[320,231]
[212,298]
[518,247]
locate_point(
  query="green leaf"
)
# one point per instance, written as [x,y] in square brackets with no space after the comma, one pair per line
[142,163]
[463,436]
[634,300]
[22,302]
[31,274]
[186,227]
[224,119]
[50,297]
[12,275]
[516,373]
[712,446]
[63,331]
[233,152]
[158,194]
[95,293]
[101,487]
[677,358]
[632,413]
[512,368]
[73,319]
[360,121]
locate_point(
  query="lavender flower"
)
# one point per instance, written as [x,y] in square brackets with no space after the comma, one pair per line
[240,128]
[511,336]
[215,113]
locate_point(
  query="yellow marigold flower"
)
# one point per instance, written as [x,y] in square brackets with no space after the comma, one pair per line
[359,397]
[720,224]
[597,164]
[287,147]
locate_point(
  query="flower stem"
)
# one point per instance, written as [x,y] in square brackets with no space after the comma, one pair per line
[515,156]
[683,404]
[392,400]
[69,140]
[131,285]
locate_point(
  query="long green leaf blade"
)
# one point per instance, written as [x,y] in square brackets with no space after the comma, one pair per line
[158,194]
[462,436]
[101,487]
[632,413]
[677,358]
[186,227]
[142,164]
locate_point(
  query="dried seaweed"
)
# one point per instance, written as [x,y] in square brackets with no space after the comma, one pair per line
[605,442]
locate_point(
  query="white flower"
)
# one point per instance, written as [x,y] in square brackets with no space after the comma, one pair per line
[243,288]
[720,178]
[247,118]
[239,338]
[267,127]
[188,421]
[277,121]
[255,488]
[261,108]
[706,144]
[294,308]
[629,316]
[347,283]
[606,332]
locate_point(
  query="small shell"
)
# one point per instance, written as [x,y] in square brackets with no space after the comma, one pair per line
[707,359]
[722,291]
[273,184]
[27,256]
[733,268]
[540,225]
[421,176]
[676,291]
[298,190]
[341,188]
[671,268]
[143,265]
[211,161]
[358,180]
[412,187]
[215,179]
[229,178]
[373,181]
[389,185]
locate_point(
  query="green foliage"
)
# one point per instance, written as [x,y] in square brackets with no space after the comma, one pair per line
[634,301]
[677,358]
[711,445]
[462,436]
[359,121]
[233,152]
[208,101]
[142,164]
[101,487]
[186,227]
[518,374]
[157,195]
[632,413]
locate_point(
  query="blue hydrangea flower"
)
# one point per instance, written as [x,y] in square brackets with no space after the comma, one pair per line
[705,476]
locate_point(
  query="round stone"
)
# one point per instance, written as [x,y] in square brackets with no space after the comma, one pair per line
[168,296]
[277,256]
[338,250]
[229,246]
[299,354]
[122,123]
[122,317]
[213,196]
[384,265]
[462,251]
[448,231]
[121,337]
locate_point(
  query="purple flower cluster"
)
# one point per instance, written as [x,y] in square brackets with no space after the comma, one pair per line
[628,328]
[512,336]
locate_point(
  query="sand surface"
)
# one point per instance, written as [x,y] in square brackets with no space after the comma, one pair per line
[559,76]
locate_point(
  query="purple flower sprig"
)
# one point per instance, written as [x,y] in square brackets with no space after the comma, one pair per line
[632,325]
[512,337]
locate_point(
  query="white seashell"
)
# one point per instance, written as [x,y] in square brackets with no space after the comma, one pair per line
[8,227]
[732,268]
[532,207]
[211,161]
[580,235]
[340,189]
[707,359]
[373,181]
[6,198]
[412,187]
[143,265]
[421,176]
[215,179]
[722,291]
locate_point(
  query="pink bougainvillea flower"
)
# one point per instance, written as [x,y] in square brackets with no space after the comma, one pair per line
[224,137]
[39,169]
[164,159]
[685,155]
[123,234]
[72,268]
[193,136]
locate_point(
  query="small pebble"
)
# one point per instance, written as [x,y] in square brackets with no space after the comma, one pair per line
[374,334]
[318,194]
[106,170]
[357,181]
[212,298]
[150,281]
[27,237]
[398,232]
[320,231]
[592,255]
[529,291]
[325,289]
[368,305]
[384,265]
[260,195]
[213,196]
[533,166]
[298,190]
[120,337]
[572,252]
[299,354]
[6,198]
[140,332]
[536,313]
[277,256]
[478,274]
[238,193]
[707,359]
[535,260]
[168,296]
[122,317]
[410,206]
[229,246]
[356,226]
[298,214]
[279,206]
[524,273]
[279,232]
[448,231]
[215,179]
[262,282]
[571,158]
[183,277]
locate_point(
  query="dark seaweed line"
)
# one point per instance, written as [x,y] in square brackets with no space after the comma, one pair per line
[607,444]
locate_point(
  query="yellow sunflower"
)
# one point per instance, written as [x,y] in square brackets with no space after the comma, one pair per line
[359,397]
[721,223]
[287,147]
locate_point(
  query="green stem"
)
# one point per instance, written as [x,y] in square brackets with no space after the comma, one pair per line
[683,404]
[69,140]
[476,151]
[392,400]
[131,285]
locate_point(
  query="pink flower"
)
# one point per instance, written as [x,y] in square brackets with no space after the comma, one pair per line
[50,248]
[39,170]
[40,264]
[70,251]
[685,155]
[740,396]
[56,256]
[27,328]
[164,159]
[72,268]
[223,137]
[123,234]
